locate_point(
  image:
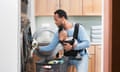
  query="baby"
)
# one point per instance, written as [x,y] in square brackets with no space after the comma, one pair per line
[63,39]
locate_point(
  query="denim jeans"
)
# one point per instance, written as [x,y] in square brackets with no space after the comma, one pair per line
[81,65]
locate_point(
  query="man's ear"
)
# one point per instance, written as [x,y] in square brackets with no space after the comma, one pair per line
[63,20]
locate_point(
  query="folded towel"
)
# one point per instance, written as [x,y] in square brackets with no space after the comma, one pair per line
[96,36]
[96,32]
[96,40]
[96,27]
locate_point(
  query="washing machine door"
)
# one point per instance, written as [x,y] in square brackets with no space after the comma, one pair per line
[44,36]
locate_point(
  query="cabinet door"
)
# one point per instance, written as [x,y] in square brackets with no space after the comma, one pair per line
[45,7]
[91,65]
[97,7]
[72,7]
[98,58]
[87,7]
[92,7]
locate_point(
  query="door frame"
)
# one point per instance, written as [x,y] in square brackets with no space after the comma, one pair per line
[107,35]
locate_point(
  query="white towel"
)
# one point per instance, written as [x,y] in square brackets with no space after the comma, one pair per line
[96,32]
[96,36]
[96,40]
[96,27]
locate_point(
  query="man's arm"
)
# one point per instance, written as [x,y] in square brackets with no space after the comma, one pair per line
[52,45]
[83,39]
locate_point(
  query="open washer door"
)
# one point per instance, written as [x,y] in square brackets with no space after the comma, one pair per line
[44,36]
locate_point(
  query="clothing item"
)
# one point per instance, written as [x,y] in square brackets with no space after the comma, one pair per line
[81,65]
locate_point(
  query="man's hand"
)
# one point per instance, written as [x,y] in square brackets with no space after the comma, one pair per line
[67,47]
[34,43]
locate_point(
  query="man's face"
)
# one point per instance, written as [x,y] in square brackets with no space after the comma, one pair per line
[58,20]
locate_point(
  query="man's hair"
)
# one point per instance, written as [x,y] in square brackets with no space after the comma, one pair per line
[61,13]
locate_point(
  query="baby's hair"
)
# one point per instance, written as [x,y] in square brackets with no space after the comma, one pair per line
[60,29]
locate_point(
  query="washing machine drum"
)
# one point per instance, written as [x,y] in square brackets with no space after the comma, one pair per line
[44,36]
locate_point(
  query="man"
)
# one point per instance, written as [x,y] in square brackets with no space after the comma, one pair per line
[83,42]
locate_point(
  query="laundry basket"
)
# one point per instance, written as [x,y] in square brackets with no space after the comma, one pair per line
[55,67]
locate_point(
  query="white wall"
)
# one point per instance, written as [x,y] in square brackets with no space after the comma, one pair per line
[8,35]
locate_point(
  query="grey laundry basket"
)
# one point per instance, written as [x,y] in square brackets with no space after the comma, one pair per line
[40,67]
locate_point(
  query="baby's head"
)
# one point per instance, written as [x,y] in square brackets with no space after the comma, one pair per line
[63,38]
[62,35]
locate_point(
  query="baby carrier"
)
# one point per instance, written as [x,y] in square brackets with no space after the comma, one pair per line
[72,53]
